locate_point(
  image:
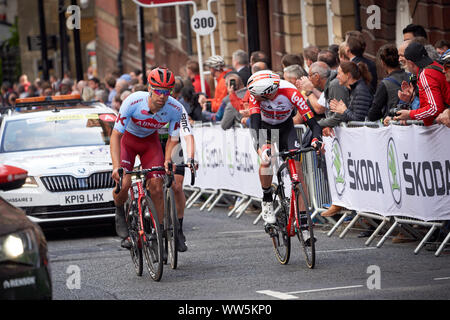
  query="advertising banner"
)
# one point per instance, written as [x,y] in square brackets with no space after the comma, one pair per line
[392,171]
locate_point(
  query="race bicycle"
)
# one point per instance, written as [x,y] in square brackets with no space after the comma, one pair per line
[143,224]
[290,221]
[171,227]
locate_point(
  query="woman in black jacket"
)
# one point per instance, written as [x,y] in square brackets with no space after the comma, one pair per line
[356,77]
[386,96]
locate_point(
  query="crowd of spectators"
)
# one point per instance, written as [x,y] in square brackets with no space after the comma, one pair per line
[339,83]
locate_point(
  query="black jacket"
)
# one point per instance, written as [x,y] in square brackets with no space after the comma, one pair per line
[360,102]
[386,96]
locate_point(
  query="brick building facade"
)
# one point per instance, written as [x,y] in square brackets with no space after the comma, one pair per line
[274,26]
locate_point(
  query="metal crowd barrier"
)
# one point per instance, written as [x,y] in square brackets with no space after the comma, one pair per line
[393,221]
[320,197]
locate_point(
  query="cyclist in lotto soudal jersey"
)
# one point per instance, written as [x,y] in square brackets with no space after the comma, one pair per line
[272,101]
[136,133]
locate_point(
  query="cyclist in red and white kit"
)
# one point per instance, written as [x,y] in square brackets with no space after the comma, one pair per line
[272,101]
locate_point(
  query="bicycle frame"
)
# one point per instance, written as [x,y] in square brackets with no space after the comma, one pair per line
[295,180]
[141,194]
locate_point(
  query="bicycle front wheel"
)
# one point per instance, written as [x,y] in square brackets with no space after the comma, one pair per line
[280,238]
[171,228]
[305,232]
[136,245]
[153,245]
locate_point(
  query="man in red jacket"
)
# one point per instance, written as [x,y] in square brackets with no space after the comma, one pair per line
[434,90]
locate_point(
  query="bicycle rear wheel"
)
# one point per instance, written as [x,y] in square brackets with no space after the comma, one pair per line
[280,238]
[305,232]
[153,245]
[171,228]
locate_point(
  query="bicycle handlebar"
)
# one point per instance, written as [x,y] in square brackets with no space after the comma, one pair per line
[145,171]
[292,153]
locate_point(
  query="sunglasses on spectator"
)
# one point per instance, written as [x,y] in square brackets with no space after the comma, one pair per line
[165,92]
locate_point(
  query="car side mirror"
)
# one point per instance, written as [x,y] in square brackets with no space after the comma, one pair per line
[12,177]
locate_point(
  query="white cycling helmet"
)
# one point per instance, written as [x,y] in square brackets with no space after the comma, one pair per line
[263,83]
[216,62]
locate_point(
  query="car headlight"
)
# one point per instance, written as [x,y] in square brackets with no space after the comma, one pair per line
[19,247]
[30,182]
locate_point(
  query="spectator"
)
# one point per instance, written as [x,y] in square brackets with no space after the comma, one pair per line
[414,30]
[135,74]
[434,90]
[431,51]
[116,103]
[355,50]
[176,93]
[258,66]
[193,73]
[444,118]
[121,86]
[94,83]
[125,94]
[310,54]
[23,80]
[446,62]
[401,53]
[139,87]
[217,116]
[216,66]
[442,47]
[293,72]
[46,89]
[259,56]
[355,77]
[239,60]
[110,85]
[386,96]
[189,95]
[334,48]
[290,59]
[232,114]
[101,95]
[65,87]
[343,52]
[312,86]
[330,57]
[88,94]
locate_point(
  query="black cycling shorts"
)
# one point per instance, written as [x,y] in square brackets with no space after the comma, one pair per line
[284,134]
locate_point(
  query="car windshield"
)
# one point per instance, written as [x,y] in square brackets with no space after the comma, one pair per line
[59,131]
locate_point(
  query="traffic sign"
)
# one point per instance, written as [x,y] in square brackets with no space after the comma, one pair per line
[203,22]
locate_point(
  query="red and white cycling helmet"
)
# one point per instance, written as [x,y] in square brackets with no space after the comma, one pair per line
[263,83]
[162,78]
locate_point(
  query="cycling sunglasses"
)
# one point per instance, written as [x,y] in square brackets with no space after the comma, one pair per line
[165,92]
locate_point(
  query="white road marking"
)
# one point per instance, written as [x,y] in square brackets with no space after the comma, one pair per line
[277,294]
[290,295]
[326,289]
[344,250]
[446,278]
[242,231]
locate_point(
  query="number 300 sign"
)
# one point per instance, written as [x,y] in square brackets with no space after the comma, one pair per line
[203,22]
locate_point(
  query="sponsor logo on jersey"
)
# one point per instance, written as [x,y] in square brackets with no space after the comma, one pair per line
[121,119]
[149,123]
[298,101]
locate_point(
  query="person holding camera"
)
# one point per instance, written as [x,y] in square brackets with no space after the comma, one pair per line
[386,100]
[433,89]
